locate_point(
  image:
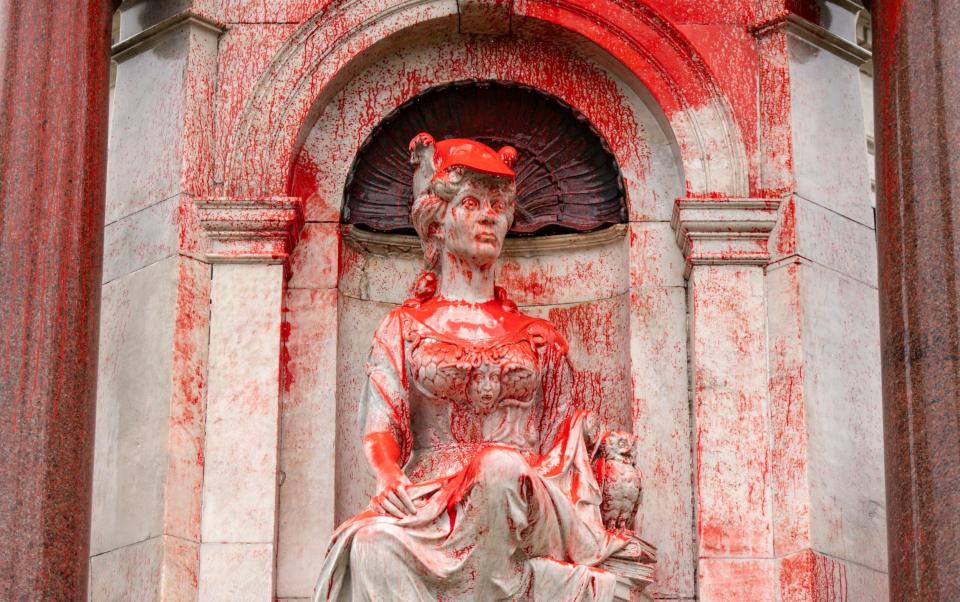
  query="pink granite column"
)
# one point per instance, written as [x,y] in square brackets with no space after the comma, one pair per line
[53,125]
[917,70]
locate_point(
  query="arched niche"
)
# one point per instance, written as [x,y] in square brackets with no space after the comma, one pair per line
[618,294]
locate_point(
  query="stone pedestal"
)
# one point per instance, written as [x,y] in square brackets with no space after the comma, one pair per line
[918,219]
[53,116]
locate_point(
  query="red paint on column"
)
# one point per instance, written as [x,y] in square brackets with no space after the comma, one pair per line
[53,126]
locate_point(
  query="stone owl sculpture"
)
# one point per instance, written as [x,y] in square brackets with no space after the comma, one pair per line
[619,480]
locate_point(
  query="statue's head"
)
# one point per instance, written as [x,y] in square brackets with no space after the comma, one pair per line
[463,198]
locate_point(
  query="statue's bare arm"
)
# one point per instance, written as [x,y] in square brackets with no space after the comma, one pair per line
[383,453]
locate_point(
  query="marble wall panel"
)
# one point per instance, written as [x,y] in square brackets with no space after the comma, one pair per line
[829,147]
[357,323]
[382,277]
[789,444]
[661,420]
[236,571]
[598,334]
[731,429]
[808,575]
[142,238]
[824,236]
[315,261]
[146,123]
[531,274]
[131,573]
[654,256]
[843,408]
[737,580]
[261,11]
[863,583]
[243,410]
[138,15]
[243,54]
[308,438]
[575,275]
[133,406]
[185,441]
[160,568]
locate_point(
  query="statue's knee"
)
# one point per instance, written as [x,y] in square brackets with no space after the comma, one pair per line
[369,541]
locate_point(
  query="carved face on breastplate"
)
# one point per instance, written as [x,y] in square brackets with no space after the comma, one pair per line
[478,374]
[473,378]
[483,386]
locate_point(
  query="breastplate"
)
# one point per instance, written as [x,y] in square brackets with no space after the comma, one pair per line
[468,393]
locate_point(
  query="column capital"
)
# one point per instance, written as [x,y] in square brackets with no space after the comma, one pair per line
[249,230]
[718,231]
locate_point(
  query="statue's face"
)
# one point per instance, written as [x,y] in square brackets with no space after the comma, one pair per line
[477,219]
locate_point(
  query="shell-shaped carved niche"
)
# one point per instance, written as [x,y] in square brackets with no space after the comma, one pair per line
[567,178]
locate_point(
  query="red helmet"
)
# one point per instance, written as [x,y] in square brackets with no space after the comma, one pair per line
[469,154]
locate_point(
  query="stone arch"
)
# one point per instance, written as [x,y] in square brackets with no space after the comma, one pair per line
[329,48]
[646,152]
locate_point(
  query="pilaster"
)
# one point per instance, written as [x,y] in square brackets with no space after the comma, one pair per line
[248,243]
[724,242]
[826,461]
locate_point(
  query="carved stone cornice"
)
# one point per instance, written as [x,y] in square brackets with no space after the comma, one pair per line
[816,35]
[733,231]
[378,243]
[144,39]
[249,230]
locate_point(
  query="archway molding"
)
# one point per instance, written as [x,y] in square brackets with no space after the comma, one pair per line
[633,41]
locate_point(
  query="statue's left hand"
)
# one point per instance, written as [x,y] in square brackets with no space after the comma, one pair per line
[393,498]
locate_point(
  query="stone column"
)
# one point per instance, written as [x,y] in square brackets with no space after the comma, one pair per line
[917,85]
[248,243]
[724,242]
[53,117]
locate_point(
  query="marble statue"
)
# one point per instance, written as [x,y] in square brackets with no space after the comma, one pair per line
[487,475]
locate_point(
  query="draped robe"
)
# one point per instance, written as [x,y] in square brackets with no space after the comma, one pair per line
[508,506]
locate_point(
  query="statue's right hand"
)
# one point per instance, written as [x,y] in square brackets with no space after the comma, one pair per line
[393,498]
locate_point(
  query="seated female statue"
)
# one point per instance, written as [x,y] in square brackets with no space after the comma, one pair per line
[485,486]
